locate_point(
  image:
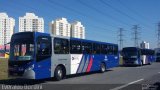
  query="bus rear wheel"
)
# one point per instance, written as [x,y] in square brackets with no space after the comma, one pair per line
[149,63]
[59,74]
[102,68]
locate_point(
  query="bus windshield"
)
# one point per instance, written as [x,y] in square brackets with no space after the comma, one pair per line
[157,54]
[130,53]
[22,49]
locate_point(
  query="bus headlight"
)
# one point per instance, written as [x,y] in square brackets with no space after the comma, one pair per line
[20,69]
[30,67]
[136,62]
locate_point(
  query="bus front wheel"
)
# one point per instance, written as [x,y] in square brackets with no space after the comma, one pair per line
[149,63]
[59,74]
[102,68]
[141,63]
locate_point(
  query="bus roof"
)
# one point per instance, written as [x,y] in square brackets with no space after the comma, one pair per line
[86,40]
[71,38]
[130,47]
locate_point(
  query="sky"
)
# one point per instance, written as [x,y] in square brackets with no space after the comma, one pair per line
[102,18]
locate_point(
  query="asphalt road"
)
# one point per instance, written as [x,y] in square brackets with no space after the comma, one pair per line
[125,78]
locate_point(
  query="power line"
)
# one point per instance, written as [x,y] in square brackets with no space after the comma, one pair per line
[121,12]
[120,35]
[79,13]
[75,11]
[32,8]
[95,26]
[132,10]
[136,35]
[102,13]
[117,10]
[158,36]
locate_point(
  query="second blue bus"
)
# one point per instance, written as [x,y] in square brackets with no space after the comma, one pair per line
[137,56]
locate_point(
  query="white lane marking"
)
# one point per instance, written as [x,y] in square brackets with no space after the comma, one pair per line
[123,86]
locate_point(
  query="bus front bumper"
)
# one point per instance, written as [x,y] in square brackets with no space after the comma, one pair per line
[130,63]
[27,74]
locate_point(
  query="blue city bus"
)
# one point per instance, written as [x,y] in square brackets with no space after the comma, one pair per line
[137,56]
[36,55]
[157,54]
[147,56]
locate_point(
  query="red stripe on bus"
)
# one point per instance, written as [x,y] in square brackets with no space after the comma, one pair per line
[90,64]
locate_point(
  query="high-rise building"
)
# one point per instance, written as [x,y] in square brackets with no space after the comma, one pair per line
[31,22]
[7,25]
[60,27]
[77,30]
[144,45]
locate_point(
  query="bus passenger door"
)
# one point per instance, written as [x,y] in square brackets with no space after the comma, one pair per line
[43,57]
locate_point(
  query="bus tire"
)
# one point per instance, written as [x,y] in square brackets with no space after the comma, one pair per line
[59,73]
[102,68]
[149,63]
[141,63]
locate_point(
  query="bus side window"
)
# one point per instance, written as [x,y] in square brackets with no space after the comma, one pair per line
[86,48]
[104,49]
[61,46]
[75,47]
[43,48]
[96,48]
[115,50]
[110,49]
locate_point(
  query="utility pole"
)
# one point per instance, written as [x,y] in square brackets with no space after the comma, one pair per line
[136,35]
[158,36]
[120,36]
